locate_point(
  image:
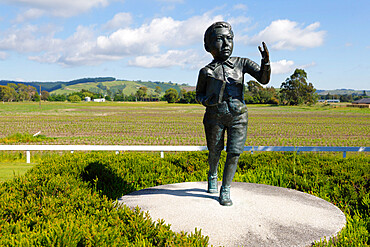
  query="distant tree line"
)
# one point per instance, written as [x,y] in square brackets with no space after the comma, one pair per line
[344,97]
[295,90]
[18,92]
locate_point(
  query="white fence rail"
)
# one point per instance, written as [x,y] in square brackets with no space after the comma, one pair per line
[162,149]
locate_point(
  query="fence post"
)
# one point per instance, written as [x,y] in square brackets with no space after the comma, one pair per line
[162,154]
[344,154]
[117,152]
[28,154]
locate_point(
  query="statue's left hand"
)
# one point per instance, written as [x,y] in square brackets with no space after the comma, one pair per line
[264,53]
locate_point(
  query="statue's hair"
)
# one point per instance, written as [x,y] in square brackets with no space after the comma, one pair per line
[210,30]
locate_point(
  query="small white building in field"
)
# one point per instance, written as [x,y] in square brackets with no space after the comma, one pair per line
[99,100]
[329,100]
[87,99]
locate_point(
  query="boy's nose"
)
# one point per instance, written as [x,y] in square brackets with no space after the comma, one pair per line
[227,42]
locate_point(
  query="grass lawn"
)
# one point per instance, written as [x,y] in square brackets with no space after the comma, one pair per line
[10,169]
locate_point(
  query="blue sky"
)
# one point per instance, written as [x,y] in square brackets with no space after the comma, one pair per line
[162,40]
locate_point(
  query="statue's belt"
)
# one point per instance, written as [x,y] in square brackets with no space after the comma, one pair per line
[233,106]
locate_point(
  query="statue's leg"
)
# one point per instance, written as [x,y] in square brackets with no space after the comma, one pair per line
[213,160]
[215,132]
[229,172]
[236,137]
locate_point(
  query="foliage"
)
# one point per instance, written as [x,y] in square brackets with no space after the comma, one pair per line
[296,91]
[101,86]
[342,181]
[24,138]
[188,97]
[7,94]
[141,92]
[158,90]
[123,97]
[18,92]
[343,97]
[74,98]
[57,97]
[69,199]
[171,95]
[257,94]
[45,95]
[83,94]
[58,203]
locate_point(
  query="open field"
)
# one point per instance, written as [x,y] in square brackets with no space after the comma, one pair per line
[159,123]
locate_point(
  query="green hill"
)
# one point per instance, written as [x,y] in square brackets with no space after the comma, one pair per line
[116,86]
[51,86]
[342,91]
[104,85]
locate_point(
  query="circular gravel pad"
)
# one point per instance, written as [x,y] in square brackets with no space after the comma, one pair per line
[262,215]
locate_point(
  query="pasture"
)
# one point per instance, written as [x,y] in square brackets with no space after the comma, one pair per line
[160,123]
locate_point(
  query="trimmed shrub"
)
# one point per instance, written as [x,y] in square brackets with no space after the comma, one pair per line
[69,200]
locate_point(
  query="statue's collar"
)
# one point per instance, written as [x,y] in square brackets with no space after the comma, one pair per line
[215,63]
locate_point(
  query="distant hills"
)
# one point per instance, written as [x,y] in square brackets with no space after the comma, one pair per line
[104,85]
[127,87]
[51,86]
[342,91]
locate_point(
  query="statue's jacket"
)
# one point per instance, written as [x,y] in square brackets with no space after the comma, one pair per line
[221,82]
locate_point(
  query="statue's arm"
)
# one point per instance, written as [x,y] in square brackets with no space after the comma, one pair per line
[265,72]
[260,73]
[265,64]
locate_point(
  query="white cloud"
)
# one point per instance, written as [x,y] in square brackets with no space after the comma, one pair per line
[75,50]
[282,67]
[64,8]
[238,20]
[289,35]
[308,65]
[119,20]
[84,47]
[240,7]
[3,55]
[149,38]
[287,66]
[30,38]
[184,59]
[30,15]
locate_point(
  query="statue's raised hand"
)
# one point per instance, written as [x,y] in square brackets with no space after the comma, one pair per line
[264,53]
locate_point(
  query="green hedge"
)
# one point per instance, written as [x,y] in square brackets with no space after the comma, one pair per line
[69,200]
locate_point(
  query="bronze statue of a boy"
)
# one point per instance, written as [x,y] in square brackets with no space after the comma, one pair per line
[220,88]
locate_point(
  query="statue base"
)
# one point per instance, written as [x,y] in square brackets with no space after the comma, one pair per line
[261,215]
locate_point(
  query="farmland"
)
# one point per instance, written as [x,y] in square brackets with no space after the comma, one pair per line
[159,123]
[69,198]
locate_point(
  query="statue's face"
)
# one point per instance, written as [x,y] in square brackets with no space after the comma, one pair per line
[222,44]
